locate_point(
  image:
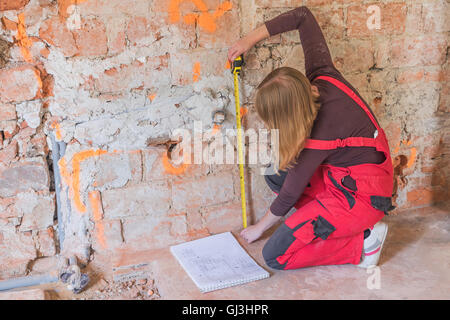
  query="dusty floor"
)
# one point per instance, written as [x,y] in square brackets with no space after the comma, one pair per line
[415,264]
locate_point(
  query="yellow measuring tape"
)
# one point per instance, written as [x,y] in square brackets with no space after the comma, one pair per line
[236,70]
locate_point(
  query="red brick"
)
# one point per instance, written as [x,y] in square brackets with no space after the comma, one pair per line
[427,17]
[9,24]
[331,21]
[312,3]
[12,4]
[32,294]
[135,75]
[420,197]
[278,3]
[151,232]
[91,39]
[9,153]
[224,36]
[423,51]
[107,235]
[409,76]
[218,219]
[203,191]
[117,43]
[55,32]
[23,177]
[38,210]
[353,56]
[183,62]
[19,84]
[393,17]
[46,240]
[141,200]
[17,250]
[113,170]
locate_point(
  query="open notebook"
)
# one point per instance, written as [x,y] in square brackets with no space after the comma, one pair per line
[217,262]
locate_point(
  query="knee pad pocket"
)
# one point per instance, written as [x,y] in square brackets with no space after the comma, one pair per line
[322,228]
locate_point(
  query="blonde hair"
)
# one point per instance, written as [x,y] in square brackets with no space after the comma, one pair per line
[284,101]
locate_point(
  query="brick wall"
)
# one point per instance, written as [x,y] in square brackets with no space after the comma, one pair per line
[108,78]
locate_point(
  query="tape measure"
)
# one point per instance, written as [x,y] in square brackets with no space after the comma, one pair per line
[236,71]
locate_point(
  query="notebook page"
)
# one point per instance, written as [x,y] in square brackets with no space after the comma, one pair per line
[217,261]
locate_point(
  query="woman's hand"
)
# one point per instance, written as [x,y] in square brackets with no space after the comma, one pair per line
[252,233]
[238,48]
[246,43]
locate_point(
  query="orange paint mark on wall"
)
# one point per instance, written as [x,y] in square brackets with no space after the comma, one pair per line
[152,96]
[215,129]
[412,158]
[72,180]
[77,159]
[97,215]
[205,19]
[169,168]
[22,38]
[196,72]
[243,111]
[413,152]
[55,125]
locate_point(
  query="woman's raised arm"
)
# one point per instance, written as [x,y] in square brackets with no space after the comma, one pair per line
[246,43]
[315,48]
[317,55]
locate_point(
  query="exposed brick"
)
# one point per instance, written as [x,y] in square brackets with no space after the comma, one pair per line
[420,197]
[91,39]
[393,17]
[12,4]
[183,62]
[149,199]
[278,3]
[146,233]
[423,51]
[7,112]
[353,56]
[17,250]
[19,84]
[9,24]
[107,235]
[23,177]
[7,208]
[55,32]
[203,191]
[9,153]
[32,294]
[223,218]
[427,17]
[135,75]
[46,240]
[112,170]
[331,22]
[225,36]
[38,210]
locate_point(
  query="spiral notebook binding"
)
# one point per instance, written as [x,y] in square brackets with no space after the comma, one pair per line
[233,283]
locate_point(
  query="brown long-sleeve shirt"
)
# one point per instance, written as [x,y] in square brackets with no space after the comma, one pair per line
[339,116]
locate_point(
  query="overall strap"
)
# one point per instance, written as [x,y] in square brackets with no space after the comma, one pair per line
[352,95]
[351,141]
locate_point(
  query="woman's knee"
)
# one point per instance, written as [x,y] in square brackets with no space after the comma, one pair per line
[277,245]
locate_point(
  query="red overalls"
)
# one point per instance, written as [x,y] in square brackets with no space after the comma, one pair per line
[328,227]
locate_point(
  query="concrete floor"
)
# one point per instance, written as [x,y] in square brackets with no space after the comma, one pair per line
[415,264]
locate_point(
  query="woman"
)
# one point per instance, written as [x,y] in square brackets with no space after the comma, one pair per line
[335,166]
